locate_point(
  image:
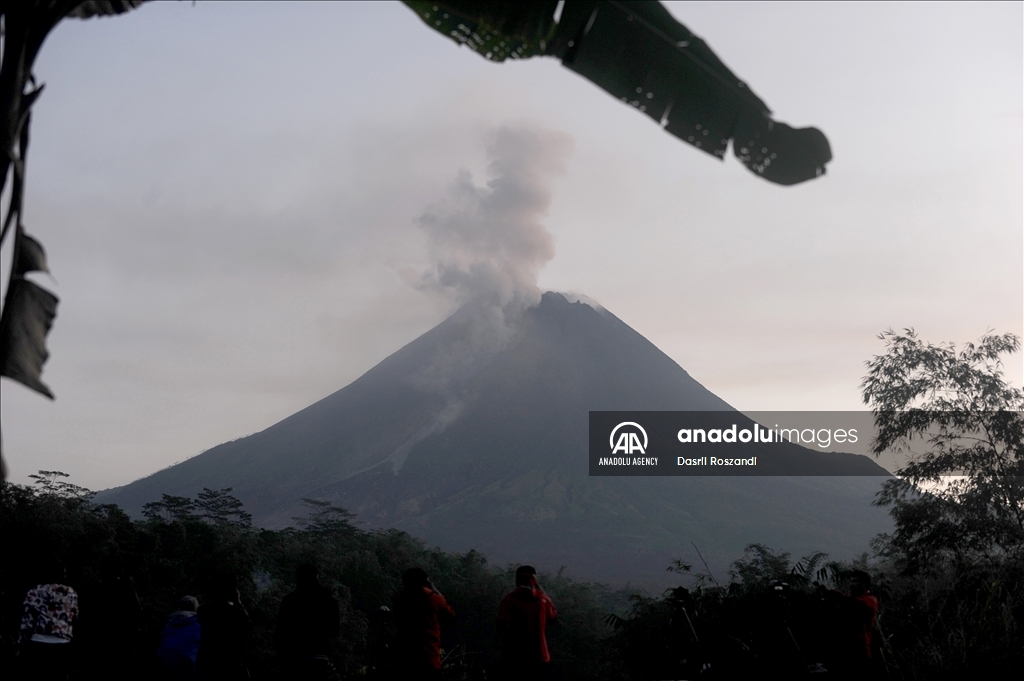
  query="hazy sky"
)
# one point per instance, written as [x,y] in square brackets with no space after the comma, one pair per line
[230,196]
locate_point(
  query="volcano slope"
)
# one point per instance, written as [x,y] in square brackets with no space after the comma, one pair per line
[475,435]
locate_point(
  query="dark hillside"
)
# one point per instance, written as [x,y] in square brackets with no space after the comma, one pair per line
[487,449]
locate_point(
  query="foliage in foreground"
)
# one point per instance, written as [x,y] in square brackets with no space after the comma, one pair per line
[931,626]
[960,500]
[957,552]
[775,617]
[183,543]
[950,579]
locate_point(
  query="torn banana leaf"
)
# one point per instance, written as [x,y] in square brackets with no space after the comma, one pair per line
[638,53]
[28,314]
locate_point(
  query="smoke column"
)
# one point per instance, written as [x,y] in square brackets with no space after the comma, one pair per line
[488,244]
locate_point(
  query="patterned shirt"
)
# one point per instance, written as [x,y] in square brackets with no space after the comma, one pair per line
[49,611]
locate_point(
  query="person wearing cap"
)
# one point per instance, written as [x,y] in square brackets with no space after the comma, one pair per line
[523,617]
[179,642]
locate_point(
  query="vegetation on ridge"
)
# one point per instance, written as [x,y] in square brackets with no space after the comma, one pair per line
[950,579]
[936,624]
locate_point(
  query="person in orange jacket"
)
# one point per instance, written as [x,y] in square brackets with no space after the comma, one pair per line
[853,618]
[420,610]
[523,617]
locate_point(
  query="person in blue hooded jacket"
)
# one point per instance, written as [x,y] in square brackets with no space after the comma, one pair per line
[179,643]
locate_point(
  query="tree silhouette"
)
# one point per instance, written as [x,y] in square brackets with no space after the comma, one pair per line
[170,508]
[962,498]
[220,508]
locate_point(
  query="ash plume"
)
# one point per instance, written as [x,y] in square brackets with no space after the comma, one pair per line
[488,243]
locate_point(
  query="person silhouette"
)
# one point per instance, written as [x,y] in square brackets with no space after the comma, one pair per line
[420,610]
[224,633]
[307,623]
[853,617]
[523,617]
[179,641]
[47,620]
[112,623]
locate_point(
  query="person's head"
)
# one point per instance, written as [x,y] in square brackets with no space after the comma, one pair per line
[188,604]
[306,576]
[223,587]
[860,582]
[53,571]
[415,578]
[526,575]
[112,567]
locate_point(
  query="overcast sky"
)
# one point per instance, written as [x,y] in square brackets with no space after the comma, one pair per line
[229,195]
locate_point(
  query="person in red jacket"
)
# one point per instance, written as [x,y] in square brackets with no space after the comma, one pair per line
[420,610]
[853,618]
[522,620]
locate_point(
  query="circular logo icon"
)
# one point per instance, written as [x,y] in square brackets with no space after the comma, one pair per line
[628,442]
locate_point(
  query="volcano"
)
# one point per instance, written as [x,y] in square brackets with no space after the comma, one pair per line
[475,436]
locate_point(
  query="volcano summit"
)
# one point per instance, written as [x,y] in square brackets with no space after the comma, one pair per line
[475,435]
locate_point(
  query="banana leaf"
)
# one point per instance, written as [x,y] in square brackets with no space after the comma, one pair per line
[638,53]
